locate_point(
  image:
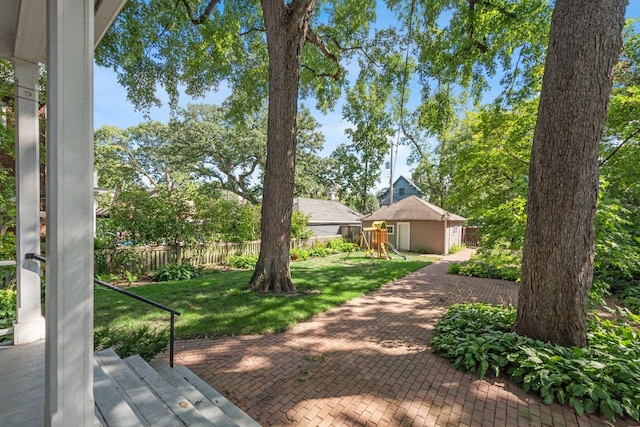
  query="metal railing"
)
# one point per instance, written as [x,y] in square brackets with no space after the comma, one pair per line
[104,284]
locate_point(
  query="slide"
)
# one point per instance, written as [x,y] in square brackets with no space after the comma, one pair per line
[393,248]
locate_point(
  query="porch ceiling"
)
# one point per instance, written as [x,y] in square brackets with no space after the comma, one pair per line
[23,27]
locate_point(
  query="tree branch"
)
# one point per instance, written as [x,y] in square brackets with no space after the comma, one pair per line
[413,140]
[315,40]
[203,17]
[615,150]
[335,76]
[251,30]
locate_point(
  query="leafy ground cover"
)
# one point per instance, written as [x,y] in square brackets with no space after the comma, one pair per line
[497,263]
[603,377]
[219,304]
[7,310]
[612,286]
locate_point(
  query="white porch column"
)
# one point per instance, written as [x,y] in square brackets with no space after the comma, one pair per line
[29,325]
[69,311]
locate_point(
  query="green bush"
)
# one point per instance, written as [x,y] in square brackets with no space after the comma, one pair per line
[299,254]
[127,342]
[454,268]
[174,272]
[498,263]
[339,245]
[109,278]
[477,268]
[455,248]
[423,250]
[631,299]
[600,378]
[299,223]
[7,307]
[318,251]
[242,261]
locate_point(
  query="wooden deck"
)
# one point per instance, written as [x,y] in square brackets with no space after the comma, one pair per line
[127,392]
[22,391]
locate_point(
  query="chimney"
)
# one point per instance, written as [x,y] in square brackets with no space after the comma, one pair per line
[332,192]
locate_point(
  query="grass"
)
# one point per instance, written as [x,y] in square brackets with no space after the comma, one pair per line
[219,304]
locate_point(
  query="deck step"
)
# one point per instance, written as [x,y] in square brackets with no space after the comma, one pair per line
[111,408]
[195,396]
[235,413]
[167,393]
[132,392]
[152,411]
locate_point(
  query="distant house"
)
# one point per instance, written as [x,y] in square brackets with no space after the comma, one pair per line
[402,188]
[416,225]
[329,217]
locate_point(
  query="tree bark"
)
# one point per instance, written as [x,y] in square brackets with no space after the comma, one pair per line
[557,268]
[286,26]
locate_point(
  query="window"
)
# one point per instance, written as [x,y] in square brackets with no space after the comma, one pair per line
[390,229]
[401,192]
[455,230]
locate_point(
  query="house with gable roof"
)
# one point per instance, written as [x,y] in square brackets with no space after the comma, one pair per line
[416,225]
[402,188]
[329,217]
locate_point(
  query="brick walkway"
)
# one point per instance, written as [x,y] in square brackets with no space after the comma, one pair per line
[368,363]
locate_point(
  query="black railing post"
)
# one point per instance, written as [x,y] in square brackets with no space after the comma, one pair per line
[171,342]
[131,295]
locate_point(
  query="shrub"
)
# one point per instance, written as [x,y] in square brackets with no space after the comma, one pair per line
[299,254]
[423,250]
[477,268]
[7,307]
[454,268]
[499,263]
[109,278]
[318,251]
[173,272]
[131,277]
[455,248]
[242,261]
[299,223]
[339,245]
[601,377]
[127,342]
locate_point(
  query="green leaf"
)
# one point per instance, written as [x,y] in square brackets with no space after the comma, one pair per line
[577,405]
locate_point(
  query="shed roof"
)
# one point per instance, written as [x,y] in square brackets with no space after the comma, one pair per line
[326,211]
[412,208]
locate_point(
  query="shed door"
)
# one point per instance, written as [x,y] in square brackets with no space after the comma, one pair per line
[404,236]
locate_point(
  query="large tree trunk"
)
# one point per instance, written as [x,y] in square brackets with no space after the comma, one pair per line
[286,27]
[557,268]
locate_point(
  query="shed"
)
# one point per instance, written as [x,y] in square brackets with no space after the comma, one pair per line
[329,217]
[417,225]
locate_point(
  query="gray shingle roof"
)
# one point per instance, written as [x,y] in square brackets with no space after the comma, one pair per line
[326,211]
[412,208]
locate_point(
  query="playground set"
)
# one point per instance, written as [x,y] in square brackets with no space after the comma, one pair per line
[377,243]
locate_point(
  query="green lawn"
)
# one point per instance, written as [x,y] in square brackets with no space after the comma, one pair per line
[219,304]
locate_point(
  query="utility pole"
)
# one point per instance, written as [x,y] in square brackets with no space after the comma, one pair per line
[391,176]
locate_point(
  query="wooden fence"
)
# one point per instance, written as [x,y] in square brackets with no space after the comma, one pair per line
[145,259]
[471,236]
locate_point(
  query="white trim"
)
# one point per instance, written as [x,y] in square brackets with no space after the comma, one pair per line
[29,325]
[69,303]
[31,34]
[400,225]
[106,12]
[391,229]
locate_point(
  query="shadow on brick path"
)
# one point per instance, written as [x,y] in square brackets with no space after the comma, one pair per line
[368,363]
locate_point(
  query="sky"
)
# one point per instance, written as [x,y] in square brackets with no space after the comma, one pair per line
[111,107]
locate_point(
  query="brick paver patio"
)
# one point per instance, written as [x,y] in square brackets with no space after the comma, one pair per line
[368,363]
